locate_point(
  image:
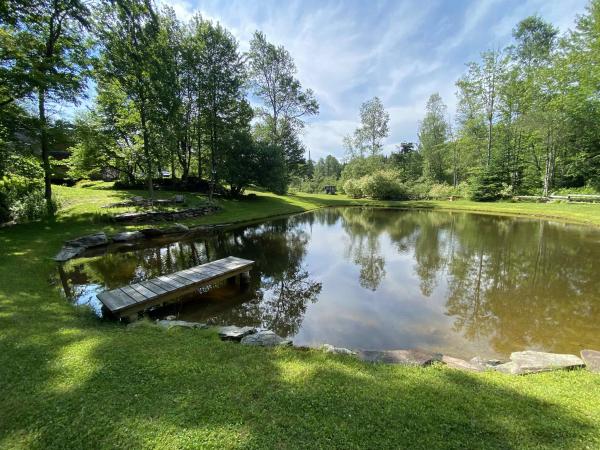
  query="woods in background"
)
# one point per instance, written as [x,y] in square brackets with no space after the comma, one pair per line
[526,123]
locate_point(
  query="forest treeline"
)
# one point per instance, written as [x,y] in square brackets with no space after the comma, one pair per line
[527,122]
[177,101]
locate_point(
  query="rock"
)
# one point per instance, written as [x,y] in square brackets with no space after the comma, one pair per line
[406,357]
[592,360]
[461,364]
[179,199]
[152,232]
[127,236]
[168,324]
[328,348]
[176,228]
[233,333]
[485,363]
[532,362]
[137,199]
[171,317]
[265,338]
[91,240]
[66,253]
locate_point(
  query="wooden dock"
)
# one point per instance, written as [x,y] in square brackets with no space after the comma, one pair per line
[128,301]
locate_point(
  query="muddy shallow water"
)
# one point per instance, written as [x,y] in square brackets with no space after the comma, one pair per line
[464,284]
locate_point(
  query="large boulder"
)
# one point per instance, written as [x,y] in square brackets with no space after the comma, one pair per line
[591,359]
[127,236]
[91,240]
[265,338]
[406,357]
[532,362]
[233,333]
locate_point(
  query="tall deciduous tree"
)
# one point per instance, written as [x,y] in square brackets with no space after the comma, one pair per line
[433,133]
[273,78]
[128,30]
[44,53]
[374,127]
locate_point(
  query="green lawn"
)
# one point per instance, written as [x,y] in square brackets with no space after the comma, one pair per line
[71,381]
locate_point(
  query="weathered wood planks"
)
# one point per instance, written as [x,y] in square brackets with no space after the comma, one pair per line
[138,296]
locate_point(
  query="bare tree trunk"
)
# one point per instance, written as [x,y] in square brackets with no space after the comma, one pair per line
[147,152]
[45,150]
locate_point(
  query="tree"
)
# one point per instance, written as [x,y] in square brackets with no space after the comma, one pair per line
[45,52]
[272,75]
[433,133]
[128,30]
[221,104]
[374,126]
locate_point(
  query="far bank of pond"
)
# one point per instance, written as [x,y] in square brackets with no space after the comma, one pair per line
[460,283]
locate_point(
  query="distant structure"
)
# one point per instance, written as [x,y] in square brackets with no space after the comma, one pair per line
[329,189]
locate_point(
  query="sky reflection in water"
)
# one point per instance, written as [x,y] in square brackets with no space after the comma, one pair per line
[459,283]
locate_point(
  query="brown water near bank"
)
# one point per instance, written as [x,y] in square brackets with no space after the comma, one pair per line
[458,283]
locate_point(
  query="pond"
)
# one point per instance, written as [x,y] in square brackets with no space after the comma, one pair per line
[369,278]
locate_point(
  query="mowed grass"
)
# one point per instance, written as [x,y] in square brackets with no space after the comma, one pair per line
[69,380]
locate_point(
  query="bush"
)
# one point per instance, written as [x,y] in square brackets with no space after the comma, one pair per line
[21,198]
[353,189]
[383,185]
[487,188]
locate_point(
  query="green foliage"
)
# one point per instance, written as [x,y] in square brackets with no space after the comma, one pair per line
[487,187]
[22,198]
[353,188]
[383,185]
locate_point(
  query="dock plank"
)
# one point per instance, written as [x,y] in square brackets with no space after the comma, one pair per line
[154,291]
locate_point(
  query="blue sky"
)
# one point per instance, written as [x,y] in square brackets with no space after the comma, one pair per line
[401,51]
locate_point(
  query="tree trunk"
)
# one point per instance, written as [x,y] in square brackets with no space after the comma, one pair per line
[147,152]
[45,150]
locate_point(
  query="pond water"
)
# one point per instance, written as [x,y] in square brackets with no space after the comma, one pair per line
[464,284]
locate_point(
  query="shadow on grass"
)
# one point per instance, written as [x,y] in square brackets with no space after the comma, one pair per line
[73,384]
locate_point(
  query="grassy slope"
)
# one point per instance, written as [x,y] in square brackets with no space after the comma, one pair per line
[68,380]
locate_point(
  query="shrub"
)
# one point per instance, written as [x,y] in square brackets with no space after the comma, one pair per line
[487,188]
[442,191]
[353,189]
[383,185]
[21,198]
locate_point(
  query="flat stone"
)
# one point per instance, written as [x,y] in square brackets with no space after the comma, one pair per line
[152,232]
[265,338]
[137,199]
[532,362]
[66,253]
[127,236]
[91,240]
[485,363]
[171,317]
[460,364]
[406,357]
[179,199]
[328,348]
[168,324]
[592,360]
[233,333]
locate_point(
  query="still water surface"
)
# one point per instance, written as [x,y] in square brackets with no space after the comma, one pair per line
[459,283]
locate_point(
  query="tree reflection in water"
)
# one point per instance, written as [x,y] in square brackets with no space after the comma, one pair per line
[508,282]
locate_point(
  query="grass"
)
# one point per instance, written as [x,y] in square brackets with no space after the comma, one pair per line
[71,381]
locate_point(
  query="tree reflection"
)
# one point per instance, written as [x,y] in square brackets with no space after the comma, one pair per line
[363,227]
